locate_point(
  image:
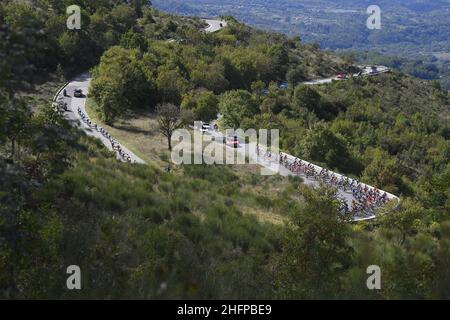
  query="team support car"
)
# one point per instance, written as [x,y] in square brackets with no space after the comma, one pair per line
[232,141]
[78,93]
[374,70]
[205,127]
[341,76]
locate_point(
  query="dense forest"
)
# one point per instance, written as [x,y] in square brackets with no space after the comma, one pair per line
[138,231]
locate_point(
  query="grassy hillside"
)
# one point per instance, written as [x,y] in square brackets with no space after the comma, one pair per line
[211,232]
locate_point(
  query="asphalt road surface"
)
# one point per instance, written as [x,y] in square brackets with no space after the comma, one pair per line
[366,71]
[273,167]
[83,82]
[215,25]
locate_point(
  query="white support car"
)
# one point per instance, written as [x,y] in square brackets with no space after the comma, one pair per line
[205,127]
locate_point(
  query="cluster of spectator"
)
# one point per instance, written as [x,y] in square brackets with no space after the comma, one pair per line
[114,144]
[365,200]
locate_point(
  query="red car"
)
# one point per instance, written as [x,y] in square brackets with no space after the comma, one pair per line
[232,142]
[341,76]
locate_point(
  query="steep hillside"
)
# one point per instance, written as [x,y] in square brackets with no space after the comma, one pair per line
[210,232]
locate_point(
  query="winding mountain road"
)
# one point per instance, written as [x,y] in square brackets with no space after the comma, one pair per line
[214,25]
[248,150]
[83,82]
[366,71]
[74,104]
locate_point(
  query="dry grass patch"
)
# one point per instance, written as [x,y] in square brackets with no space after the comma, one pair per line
[139,133]
[266,216]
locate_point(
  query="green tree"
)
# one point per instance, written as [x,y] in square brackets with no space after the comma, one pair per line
[109,95]
[316,249]
[296,74]
[211,77]
[383,171]
[123,17]
[120,83]
[203,104]
[306,97]
[322,145]
[275,103]
[171,86]
[235,106]
[280,60]
[133,40]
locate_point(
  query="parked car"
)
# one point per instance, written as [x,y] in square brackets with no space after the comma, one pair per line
[78,93]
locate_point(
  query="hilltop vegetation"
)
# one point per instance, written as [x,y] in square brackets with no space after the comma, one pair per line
[202,231]
[196,64]
[390,130]
[406,24]
[411,29]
